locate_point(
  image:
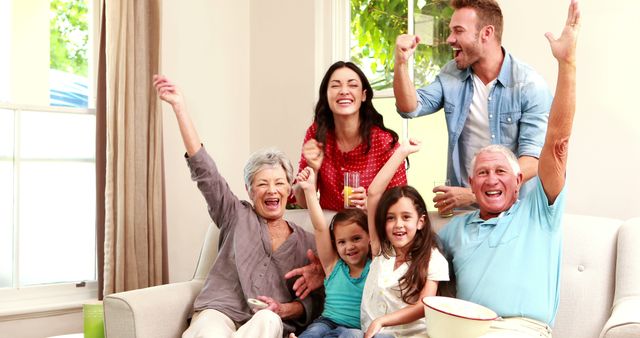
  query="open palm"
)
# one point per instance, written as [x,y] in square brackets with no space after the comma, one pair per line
[564,48]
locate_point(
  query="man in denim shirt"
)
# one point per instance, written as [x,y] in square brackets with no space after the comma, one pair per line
[488,96]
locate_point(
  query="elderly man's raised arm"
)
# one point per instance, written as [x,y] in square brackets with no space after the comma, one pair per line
[553,158]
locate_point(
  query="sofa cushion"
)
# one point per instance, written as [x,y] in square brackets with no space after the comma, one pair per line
[587,278]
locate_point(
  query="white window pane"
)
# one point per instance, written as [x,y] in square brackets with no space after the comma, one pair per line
[6,223]
[57,222]
[56,135]
[6,133]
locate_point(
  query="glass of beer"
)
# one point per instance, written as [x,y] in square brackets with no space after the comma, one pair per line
[351,181]
[437,184]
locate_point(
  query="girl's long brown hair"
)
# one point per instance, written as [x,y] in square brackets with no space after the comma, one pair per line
[425,240]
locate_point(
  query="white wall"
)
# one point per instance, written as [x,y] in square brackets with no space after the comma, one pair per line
[605,146]
[282,68]
[205,49]
[290,52]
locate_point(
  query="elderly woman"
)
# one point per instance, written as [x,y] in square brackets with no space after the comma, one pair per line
[257,246]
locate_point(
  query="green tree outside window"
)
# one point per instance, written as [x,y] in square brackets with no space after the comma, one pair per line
[69,37]
[375,24]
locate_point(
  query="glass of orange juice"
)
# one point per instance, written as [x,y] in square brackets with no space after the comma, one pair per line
[351,181]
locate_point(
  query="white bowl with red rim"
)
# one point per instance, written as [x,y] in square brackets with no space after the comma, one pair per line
[456,318]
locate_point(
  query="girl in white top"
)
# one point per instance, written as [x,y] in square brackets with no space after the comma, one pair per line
[407,263]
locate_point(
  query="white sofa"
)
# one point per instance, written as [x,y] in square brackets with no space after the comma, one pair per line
[599,296]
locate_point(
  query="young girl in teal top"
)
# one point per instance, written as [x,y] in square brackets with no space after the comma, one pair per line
[343,250]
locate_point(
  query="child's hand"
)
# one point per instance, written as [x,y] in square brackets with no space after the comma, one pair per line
[374,328]
[307,179]
[410,146]
[313,153]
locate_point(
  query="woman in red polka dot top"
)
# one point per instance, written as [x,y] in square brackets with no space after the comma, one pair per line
[347,134]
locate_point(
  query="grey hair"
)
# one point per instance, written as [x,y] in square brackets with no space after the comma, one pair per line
[269,157]
[497,148]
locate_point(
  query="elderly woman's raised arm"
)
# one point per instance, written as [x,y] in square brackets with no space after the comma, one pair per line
[168,92]
[221,201]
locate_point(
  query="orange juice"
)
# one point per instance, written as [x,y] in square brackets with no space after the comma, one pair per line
[346,192]
[351,181]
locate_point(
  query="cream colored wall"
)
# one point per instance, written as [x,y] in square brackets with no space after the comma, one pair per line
[282,67]
[29,55]
[605,147]
[205,49]
[430,163]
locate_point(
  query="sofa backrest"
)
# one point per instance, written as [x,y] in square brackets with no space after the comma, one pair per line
[588,268]
[587,280]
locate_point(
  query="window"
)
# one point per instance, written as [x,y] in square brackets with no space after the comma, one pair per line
[375,24]
[373,28]
[47,151]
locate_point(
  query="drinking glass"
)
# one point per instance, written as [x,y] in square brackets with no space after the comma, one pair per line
[351,181]
[437,184]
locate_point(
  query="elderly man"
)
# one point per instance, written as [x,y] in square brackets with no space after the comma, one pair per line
[507,254]
[488,96]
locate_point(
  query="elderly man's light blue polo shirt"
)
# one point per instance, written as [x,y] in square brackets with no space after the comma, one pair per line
[510,263]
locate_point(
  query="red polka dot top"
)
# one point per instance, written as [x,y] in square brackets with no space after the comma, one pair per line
[335,163]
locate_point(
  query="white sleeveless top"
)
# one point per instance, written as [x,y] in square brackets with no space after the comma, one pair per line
[381,293]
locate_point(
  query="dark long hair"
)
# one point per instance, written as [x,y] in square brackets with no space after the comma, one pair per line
[347,216]
[425,240]
[368,114]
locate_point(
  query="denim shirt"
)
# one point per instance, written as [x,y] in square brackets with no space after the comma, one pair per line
[518,105]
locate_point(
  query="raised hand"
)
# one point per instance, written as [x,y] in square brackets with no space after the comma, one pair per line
[405,47]
[313,153]
[410,146]
[167,91]
[564,47]
[307,179]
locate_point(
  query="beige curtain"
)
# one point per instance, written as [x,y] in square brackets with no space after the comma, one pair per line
[134,243]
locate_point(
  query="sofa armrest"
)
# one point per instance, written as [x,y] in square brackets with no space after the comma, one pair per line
[159,311]
[625,315]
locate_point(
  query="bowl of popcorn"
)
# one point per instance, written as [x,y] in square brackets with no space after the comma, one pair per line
[456,318]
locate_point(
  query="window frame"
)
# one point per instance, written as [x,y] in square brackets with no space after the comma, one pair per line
[24,302]
[21,300]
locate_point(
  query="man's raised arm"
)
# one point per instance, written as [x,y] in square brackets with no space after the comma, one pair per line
[553,158]
[403,89]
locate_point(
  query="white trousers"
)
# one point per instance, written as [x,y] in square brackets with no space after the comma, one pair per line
[518,327]
[215,324]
